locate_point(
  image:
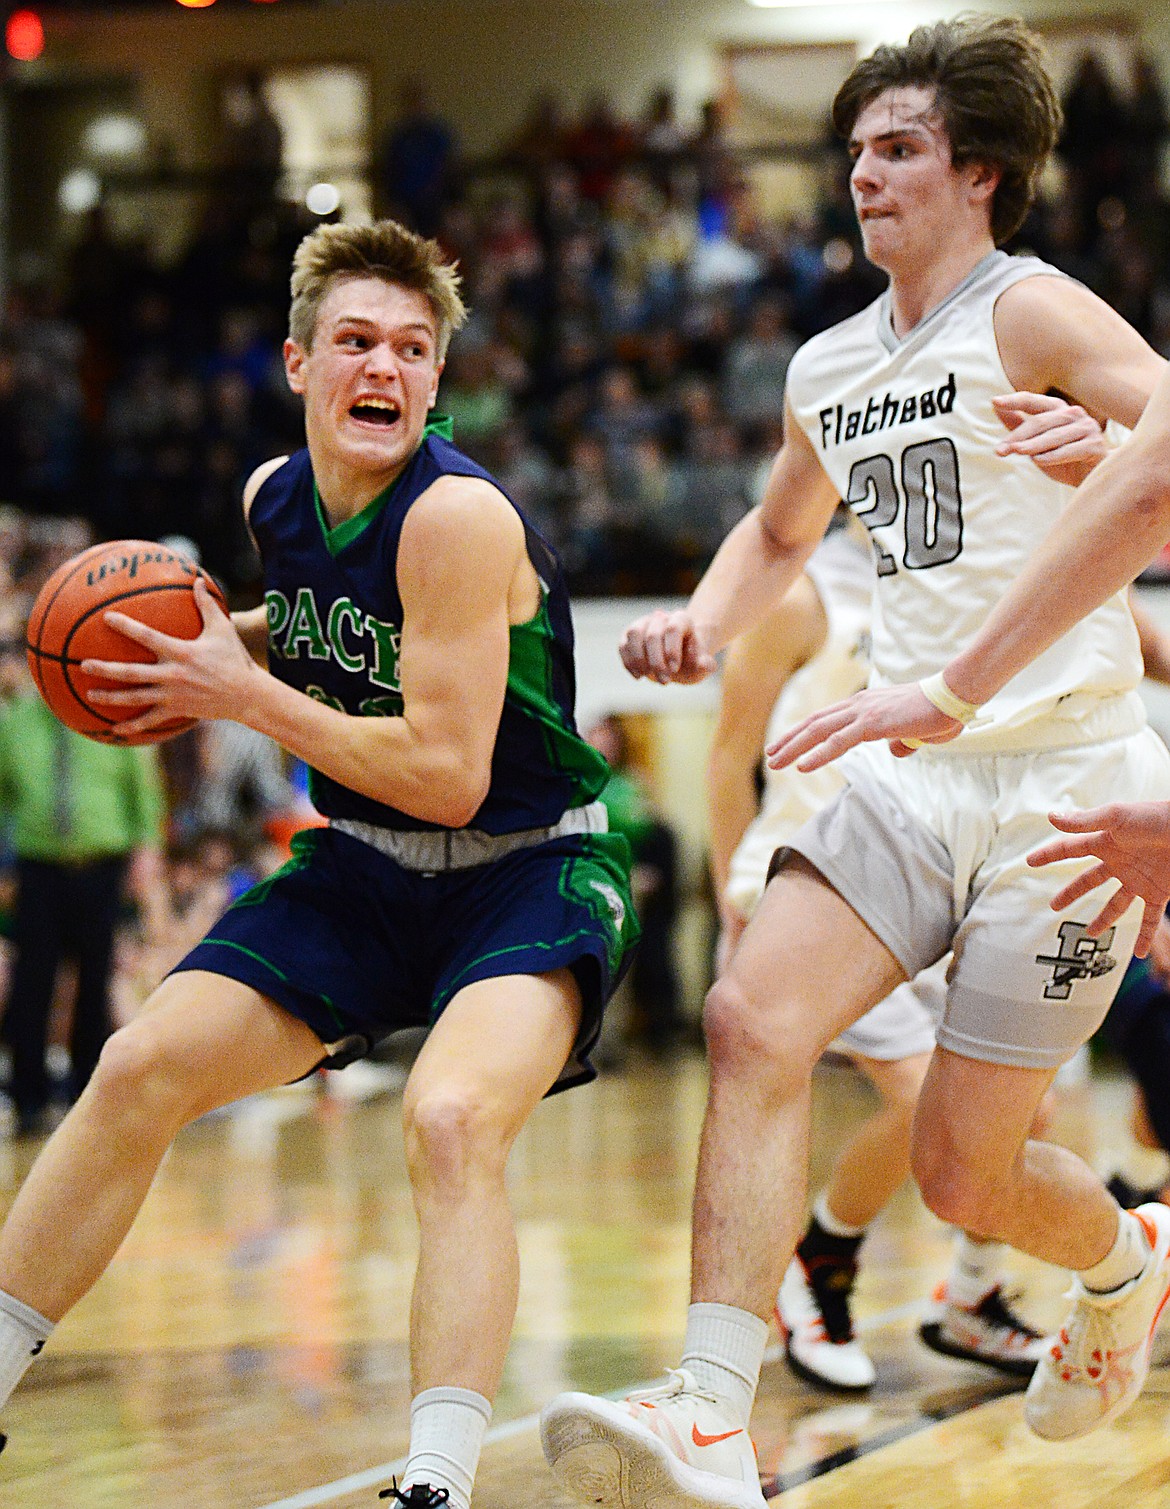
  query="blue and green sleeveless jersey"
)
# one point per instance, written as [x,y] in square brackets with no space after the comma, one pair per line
[335,626]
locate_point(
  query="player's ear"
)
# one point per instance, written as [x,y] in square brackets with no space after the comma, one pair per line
[984,178]
[434,393]
[294,362]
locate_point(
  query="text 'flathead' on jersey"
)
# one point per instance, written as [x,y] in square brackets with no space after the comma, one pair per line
[884,412]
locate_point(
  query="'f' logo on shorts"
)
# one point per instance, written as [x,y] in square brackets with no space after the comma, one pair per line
[1080,958]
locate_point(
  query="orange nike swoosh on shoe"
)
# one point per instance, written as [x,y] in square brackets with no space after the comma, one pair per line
[700,1439]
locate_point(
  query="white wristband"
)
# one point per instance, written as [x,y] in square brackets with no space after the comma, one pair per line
[938,693]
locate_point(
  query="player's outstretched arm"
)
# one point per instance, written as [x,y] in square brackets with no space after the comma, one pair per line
[1056,335]
[756,669]
[1131,844]
[904,715]
[756,564]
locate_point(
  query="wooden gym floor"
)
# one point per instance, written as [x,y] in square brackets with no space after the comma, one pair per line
[247,1349]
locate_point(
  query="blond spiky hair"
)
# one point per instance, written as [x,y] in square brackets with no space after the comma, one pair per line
[384,250]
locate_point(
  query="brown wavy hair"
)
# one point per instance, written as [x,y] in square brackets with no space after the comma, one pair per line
[993,91]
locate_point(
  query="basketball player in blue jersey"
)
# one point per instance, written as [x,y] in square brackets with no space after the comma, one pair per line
[419,656]
[894,411]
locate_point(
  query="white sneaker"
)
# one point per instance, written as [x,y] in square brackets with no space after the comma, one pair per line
[819,1340]
[989,1332]
[1096,1366]
[364,1080]
[666,1448]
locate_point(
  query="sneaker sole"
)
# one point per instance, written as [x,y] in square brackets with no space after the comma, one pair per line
[600,1463]
[818,1380]
[931,1334]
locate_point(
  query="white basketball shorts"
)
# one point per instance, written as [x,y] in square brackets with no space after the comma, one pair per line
[930,852]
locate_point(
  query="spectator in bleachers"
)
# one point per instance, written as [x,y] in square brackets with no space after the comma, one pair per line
[756,364]
[1147,122]
[539,142]
[597,146]
[85,818]
[657,1018]
[476,397]
[529,477]
[662,139]
[621,416]
[626,286]
[1092,144]
[253,141]
[417,162]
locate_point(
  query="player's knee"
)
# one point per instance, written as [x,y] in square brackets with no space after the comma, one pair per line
[134,1079]
[450,1138]
[745,1037]
[957,1194]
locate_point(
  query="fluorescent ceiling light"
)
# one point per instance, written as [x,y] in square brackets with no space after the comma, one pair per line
[809,4]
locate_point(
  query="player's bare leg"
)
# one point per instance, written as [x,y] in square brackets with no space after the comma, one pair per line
[492,1055]
[201,1042]
[979,1168]
[768,1019]
[875,1162]
[813,1304]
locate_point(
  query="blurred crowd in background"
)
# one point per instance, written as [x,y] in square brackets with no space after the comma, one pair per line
[633,317]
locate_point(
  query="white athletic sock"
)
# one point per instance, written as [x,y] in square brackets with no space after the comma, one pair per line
[22,1335]
[723,1351]
[975,1270]
[827,1221]
[447,1427]
[1124,1260]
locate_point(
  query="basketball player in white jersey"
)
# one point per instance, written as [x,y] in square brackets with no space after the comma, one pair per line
[811,649]
[893,411]
[1122,521]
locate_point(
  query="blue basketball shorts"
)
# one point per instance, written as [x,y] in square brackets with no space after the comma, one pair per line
[1138,1028]
[357,947]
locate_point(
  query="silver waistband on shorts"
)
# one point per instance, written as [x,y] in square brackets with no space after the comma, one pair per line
[464,848]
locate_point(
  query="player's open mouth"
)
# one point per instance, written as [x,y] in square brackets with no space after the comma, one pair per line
[375,411]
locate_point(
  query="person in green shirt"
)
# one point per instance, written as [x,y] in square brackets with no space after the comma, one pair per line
[82,819]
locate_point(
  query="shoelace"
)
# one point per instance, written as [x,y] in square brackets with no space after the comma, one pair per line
[417,1496]
[680,1382]
[1084,1350]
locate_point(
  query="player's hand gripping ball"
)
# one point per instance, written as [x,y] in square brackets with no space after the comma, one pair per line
[67,625]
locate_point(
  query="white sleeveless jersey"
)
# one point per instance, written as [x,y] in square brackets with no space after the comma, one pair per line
[907,432]
[841,570]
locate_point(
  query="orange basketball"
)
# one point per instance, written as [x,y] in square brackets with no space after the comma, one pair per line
[145,581]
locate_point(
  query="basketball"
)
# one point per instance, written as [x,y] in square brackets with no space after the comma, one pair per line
[66,626]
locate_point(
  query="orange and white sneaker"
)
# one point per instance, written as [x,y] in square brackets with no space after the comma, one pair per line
[666,1448]
[1097,1364]
[990,1332]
